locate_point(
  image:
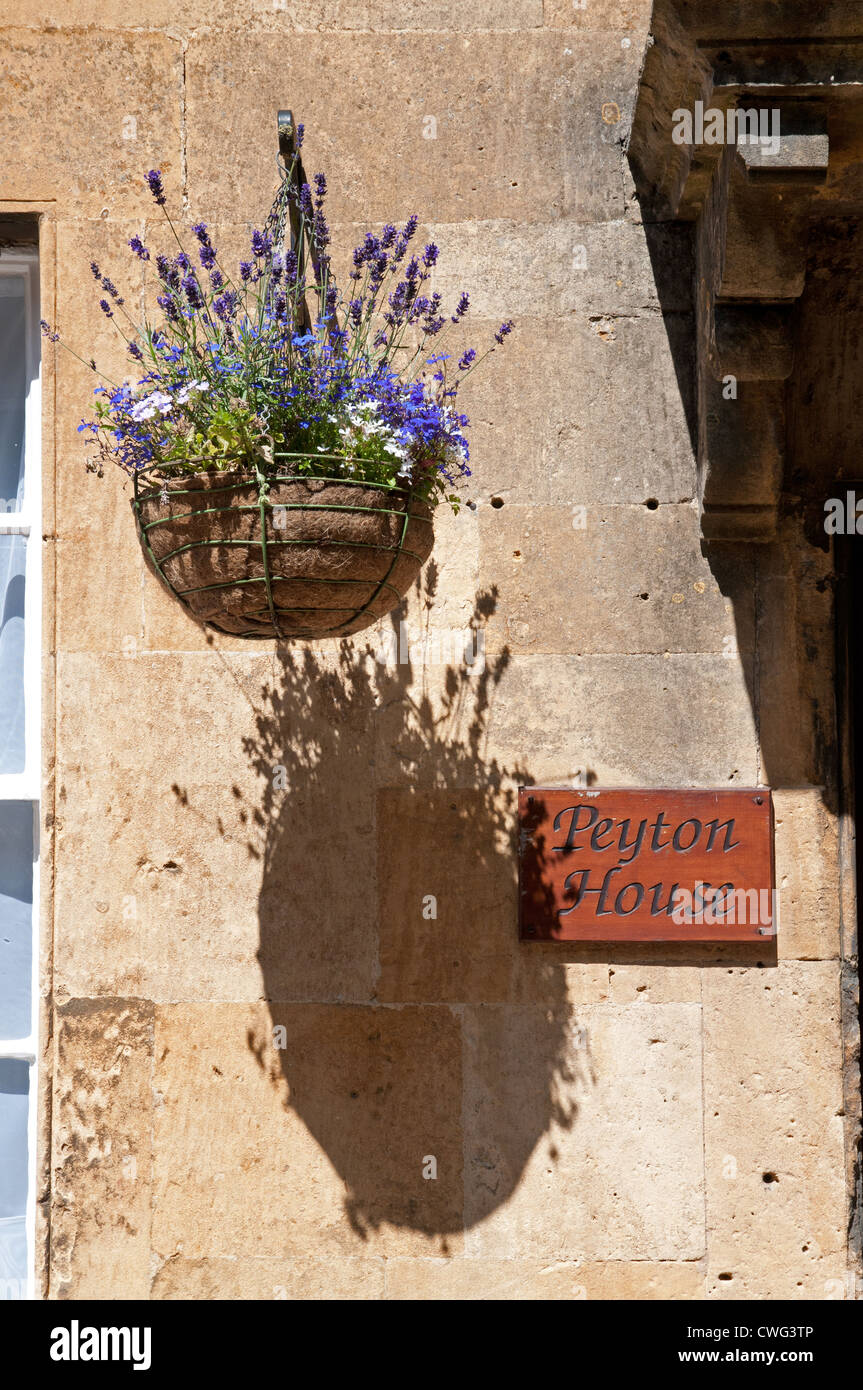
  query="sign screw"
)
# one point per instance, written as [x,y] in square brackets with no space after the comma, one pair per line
[759,800]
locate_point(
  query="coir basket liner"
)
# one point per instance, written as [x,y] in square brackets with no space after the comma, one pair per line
[282,556]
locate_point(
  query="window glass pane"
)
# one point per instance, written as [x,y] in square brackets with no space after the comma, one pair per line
[16,917]
[13,550]
[13,388]
[14,1089]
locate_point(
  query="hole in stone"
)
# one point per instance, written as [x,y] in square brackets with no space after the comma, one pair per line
[497,502]
[726,1276]
[644,596]
[651,504]
[769,1177]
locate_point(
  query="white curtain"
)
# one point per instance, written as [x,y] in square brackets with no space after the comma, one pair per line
[13,552]
[16,912]
[14,1086]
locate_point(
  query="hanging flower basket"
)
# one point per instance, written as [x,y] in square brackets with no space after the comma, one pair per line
[282,556]
[286,459]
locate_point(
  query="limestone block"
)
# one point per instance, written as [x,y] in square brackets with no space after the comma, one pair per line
[677,720]
[566,267]
[310,1143]
[453,854]
[102,1150]
[119,118]
[773,1131]
[598,14]
[275,15]
[807,874]
[796,693]
[275,1279]
[555,411]
[651,983]
[424,123]
[212,783]
[612,579]
[514,1280]
[588,1149]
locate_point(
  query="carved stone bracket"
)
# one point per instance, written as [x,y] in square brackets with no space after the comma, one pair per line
[751,205]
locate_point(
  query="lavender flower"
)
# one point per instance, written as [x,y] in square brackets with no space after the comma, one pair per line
[139,248]
[503,331]
[193,291]
[154,179]
[461,308]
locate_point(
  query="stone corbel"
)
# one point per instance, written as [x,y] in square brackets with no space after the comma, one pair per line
[750,207]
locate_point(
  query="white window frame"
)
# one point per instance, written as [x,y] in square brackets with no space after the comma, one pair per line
[27,785]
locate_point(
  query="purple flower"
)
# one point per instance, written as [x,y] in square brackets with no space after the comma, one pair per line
[388,236]
[112,290]
[139,249]
[135,351]
[461,308]
[245,271]
[301,130]
[430,255]
[97,274]
[466,359]
[261,243]
[46,329]
[225,305]
[106,308]
[182,262]
[217,279]
[321,185]
[193,291]
[154,179]
[168,303]
[504,329]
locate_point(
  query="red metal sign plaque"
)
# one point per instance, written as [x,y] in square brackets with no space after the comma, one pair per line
[622,865]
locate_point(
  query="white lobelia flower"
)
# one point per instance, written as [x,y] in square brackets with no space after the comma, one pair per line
[149,405]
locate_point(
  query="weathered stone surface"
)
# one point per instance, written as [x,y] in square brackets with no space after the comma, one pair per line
[514,1280]
[554,414]
[807,874]
[654,721]
[311,1149]
[594,1150]
[119,119]
[276,15]
[453,853]
[609,14]
[102,1150]
[773,1131]
[484,154]
[636,581]
[276,1279]
[205,891]
[796,694]
[563,268]
[650,983]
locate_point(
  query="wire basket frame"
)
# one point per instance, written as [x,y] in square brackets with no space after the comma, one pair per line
[385,537]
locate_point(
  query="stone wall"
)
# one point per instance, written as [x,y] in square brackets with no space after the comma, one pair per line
[606,1123]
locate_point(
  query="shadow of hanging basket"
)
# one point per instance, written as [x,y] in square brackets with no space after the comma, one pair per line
[282,555]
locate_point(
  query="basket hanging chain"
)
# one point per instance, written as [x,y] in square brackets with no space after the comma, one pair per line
[263,500]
